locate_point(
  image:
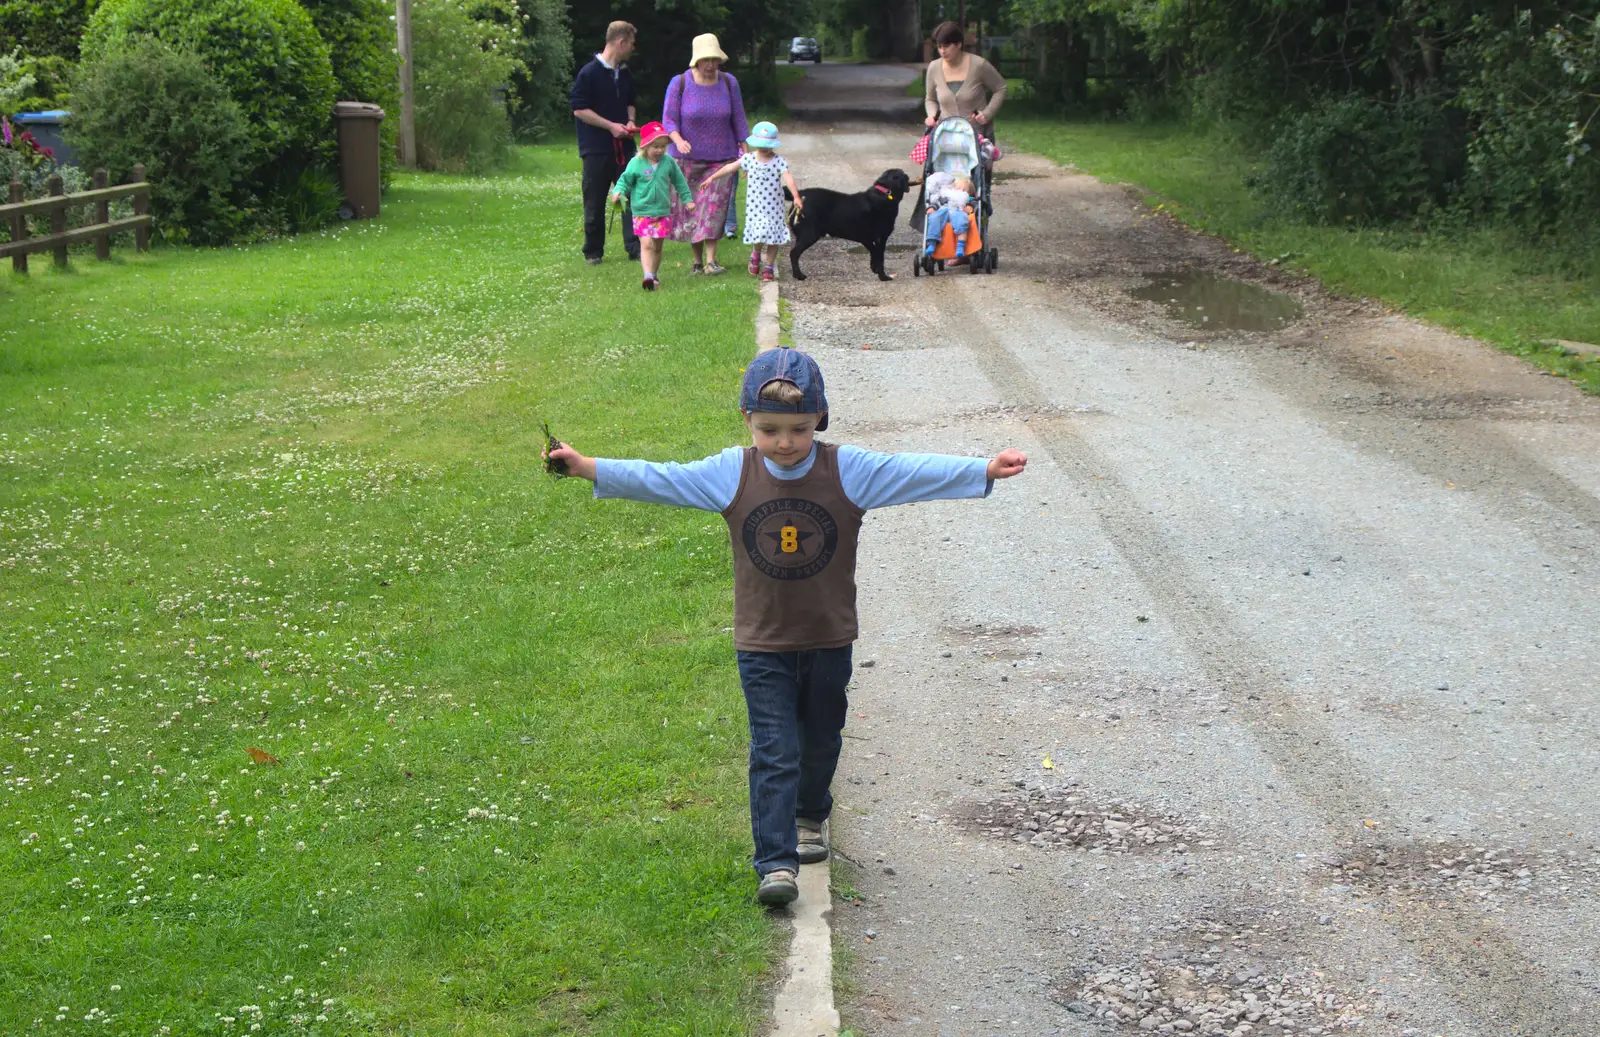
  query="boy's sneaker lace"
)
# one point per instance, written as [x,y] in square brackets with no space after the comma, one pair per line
[814,840]
[778,887]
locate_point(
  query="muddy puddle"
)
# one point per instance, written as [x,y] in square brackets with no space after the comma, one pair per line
[1204,300]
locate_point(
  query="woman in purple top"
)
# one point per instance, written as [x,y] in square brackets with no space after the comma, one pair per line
[704,115]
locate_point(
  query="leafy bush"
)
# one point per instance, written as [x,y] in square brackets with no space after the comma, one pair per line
[150,103]
[1354,159]
[15,83]
[45,27]
[544,47]
[265,53]
[361,42]
[1535,102]
[304,199]
[461,64]
[51,76]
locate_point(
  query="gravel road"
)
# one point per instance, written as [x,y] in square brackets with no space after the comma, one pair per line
[1264,703]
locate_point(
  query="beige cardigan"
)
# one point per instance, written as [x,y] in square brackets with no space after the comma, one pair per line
[981,77]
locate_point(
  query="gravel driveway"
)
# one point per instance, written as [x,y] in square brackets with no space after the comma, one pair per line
[1264,703]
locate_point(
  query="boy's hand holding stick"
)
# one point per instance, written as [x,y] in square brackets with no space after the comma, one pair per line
[561,459]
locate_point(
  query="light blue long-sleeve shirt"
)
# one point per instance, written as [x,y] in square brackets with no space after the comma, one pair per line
[870,479]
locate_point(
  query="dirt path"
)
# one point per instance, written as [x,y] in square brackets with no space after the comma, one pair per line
[1303,621]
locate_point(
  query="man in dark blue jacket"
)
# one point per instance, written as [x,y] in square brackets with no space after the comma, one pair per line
[602,104]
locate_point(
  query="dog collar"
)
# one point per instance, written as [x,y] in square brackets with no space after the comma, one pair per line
[885,190]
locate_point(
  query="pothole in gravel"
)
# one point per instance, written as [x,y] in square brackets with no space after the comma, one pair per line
[1184,989]
[1204,300]
[1435,870]
[994,642]
[1070,817]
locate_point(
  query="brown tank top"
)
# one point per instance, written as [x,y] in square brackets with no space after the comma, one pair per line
[794,557]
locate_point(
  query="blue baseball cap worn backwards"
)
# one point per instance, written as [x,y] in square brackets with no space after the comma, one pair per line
[784,364]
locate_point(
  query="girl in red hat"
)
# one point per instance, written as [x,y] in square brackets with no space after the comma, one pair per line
[647,185]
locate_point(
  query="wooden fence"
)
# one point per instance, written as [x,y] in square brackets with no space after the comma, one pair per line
[17,213]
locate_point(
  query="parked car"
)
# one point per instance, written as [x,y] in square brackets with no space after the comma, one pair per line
[804,48]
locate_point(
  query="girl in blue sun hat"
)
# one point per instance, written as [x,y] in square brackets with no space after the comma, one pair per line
[766,175]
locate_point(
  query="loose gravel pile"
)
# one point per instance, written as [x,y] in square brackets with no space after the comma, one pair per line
[1198,995]
[1450,869]
[1067,816]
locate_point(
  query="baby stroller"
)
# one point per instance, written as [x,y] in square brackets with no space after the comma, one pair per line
[954,147]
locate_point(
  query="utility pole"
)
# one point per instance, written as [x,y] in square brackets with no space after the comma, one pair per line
[408,112]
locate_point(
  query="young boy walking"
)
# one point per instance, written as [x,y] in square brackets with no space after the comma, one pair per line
[794,508]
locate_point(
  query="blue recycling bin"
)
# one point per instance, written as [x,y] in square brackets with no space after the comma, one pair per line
[46,128]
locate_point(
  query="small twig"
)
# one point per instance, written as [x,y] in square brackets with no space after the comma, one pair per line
[555,466]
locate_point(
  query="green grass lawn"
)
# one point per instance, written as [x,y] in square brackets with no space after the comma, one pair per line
[1478,283]
[288,498]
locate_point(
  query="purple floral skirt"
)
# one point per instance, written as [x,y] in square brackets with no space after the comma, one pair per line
[710,202]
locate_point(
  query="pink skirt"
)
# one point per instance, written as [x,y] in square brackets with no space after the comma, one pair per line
[711,203]
[652,226]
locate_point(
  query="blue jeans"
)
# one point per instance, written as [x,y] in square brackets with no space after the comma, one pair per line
[958,220]
[797,707]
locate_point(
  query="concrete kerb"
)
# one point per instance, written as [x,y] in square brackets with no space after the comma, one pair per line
[767,318]
[804,1005]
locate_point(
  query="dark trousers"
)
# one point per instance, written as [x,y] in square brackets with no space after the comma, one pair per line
[600,172]
[797,707]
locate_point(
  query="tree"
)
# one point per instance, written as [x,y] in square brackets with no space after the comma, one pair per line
[748,30]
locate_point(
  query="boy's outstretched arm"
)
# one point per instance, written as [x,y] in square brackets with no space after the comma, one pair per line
[708,484]
[877,480]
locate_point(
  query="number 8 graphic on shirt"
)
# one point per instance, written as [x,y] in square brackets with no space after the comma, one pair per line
[790,538]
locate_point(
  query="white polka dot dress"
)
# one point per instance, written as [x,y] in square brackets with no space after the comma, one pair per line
[763,200]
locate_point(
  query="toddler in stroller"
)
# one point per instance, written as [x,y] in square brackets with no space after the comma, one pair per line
[953,212]
[949,205]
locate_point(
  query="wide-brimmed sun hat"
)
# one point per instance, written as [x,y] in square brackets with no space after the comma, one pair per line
[651,131]
[764,135]
[706,46]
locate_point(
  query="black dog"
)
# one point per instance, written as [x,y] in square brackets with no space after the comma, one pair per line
[867,217]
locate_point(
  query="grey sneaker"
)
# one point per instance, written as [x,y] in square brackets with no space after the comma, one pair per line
[715,268]
[778,887]
[813,839]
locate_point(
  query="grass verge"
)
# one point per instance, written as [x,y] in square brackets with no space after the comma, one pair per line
[288,498]
[1478,283]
